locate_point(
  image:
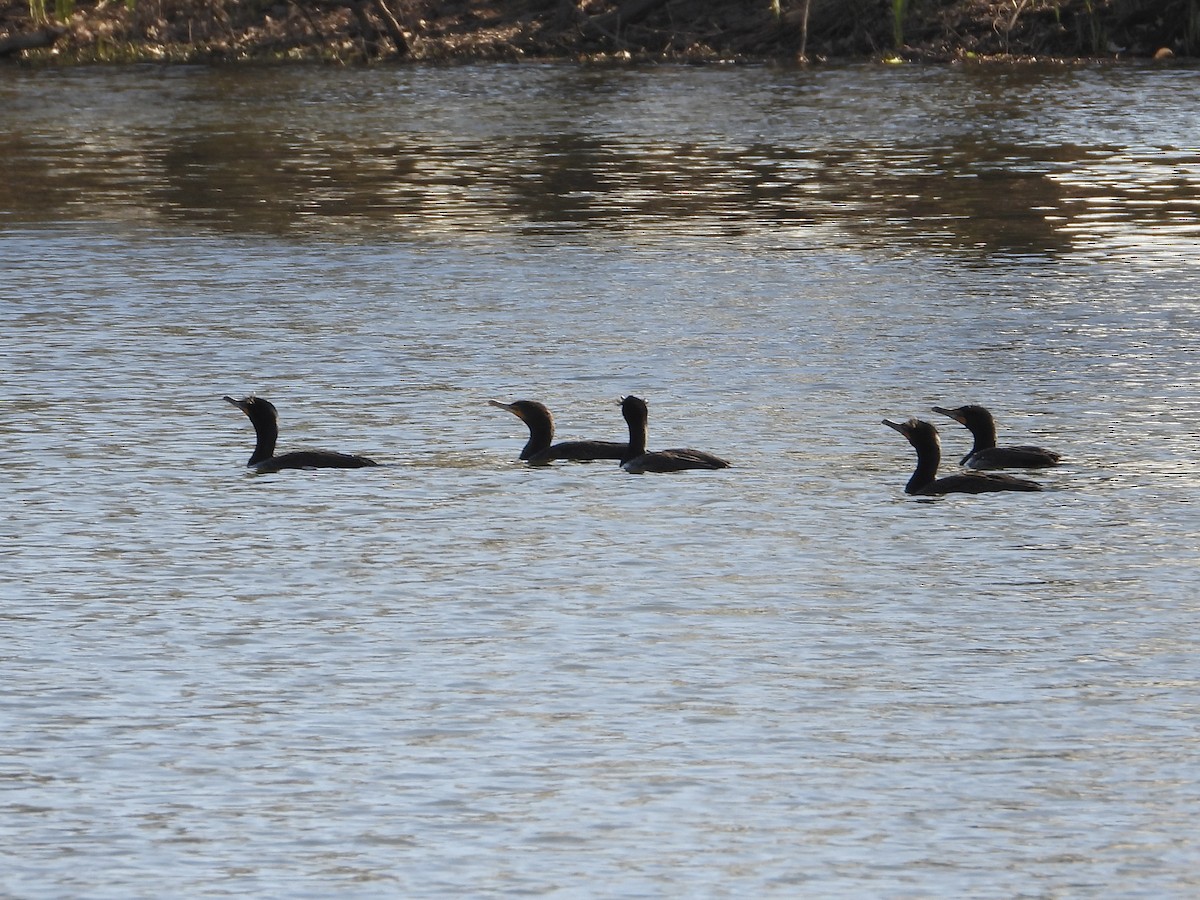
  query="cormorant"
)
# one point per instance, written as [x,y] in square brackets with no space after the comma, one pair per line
[539,451]
[985,454]
[924,438]
[637,460]
[265,419]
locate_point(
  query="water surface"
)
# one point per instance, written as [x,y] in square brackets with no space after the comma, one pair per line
[453,675]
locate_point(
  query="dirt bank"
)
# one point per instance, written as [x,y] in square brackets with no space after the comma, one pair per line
[362,31]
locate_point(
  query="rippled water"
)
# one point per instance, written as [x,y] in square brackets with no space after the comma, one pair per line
[453,675]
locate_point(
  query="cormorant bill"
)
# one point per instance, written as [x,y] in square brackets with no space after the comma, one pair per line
[539,450]
[985,454]
[265,419]
[924,438]
[637,460]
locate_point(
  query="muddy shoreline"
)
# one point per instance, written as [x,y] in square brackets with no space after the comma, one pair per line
[355,32]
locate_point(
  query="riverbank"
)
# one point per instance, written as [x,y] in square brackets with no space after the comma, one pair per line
[364,31]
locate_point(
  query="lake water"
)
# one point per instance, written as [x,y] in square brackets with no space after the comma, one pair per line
[453,675]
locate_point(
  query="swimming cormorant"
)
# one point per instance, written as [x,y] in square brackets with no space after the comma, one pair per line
[265,419]
[924,438]
[985,454]
[637,460]
[539,450]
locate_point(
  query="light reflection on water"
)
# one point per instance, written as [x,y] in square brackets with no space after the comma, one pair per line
[455,675]
[945,159]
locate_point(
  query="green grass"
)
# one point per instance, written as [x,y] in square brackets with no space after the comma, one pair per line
[899,10]
[63,9]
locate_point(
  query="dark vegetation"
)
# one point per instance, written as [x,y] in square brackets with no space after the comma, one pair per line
[363,31]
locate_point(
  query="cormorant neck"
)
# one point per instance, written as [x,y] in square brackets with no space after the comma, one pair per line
[268,433]
[637,438]
[984,433]
[929,456]
[541,434]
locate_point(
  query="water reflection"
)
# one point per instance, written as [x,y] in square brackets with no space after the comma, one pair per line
[628,152]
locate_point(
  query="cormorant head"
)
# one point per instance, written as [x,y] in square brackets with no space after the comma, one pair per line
[258,409]
[525,410]
[634,409]
[966,415]
[919,432]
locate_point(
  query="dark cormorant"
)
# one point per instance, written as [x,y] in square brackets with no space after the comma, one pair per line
[924,438]
[637,460]
[265,420]
[539,451]
[985,454]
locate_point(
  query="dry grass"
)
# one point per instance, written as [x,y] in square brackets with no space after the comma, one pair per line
[355,31]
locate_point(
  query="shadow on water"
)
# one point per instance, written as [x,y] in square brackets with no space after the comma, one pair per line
[856,162]
[254,183]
